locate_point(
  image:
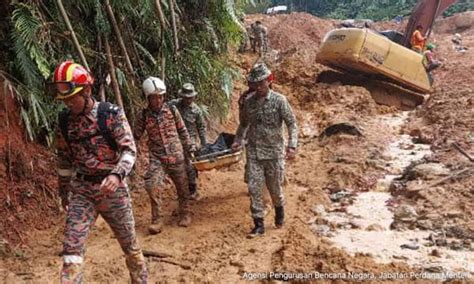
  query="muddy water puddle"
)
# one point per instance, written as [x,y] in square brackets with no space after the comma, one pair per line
[364,226]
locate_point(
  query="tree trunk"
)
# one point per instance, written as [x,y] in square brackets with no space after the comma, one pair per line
[115,85]
[118,34]
[161,15]
[173,24]
[163,58]
[102,92]
[100,71]
[73,34]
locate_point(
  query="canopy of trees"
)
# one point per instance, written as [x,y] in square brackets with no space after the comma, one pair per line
[355,9]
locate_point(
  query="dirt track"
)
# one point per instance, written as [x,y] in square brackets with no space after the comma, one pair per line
[215,249]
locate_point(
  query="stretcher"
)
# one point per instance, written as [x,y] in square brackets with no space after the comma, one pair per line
[217,160]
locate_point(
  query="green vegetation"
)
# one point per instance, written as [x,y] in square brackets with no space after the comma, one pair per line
[355,9]
[180,40]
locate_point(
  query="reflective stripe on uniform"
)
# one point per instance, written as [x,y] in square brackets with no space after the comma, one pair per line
[127,157]
[65,172]
[73,259]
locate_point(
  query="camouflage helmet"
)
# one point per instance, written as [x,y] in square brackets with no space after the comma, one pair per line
[187,91]
[259,73]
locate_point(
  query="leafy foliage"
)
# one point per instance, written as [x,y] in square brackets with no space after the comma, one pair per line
[40,40]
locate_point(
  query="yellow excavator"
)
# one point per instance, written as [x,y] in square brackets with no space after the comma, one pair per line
[383,61]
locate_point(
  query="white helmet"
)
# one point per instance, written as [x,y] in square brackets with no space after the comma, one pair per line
[153,86]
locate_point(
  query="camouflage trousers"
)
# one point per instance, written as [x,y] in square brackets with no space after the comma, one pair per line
[85,204]
[155,181]
[191,171]
[261,44]
[269,173]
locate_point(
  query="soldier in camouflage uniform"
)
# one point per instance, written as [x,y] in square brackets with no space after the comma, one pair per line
[261,123]
[248,39]
[260,37]
[167,141]
[92,166]
[194,121]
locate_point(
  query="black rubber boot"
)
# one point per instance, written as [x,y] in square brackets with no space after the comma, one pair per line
[259,228]
[193,192]
[279,216]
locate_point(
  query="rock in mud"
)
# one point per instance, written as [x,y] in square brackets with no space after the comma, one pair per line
[435,253]
[429,171]
[425,224]
[375,227]
[319,210]
[405,213]
[412,246]
[456,245]
[421,136]
[321,230]
[338,196]
[338,128]
[435,269]
[454,214]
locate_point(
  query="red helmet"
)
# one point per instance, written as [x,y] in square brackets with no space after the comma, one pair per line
[70,78]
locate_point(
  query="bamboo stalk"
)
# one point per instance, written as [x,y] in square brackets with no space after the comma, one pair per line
[101,85]
[118,34]
[173,24]
[163,58]
[73,34]
[161,15]
[102,92]
[113,77]
[147,253]
[461,150]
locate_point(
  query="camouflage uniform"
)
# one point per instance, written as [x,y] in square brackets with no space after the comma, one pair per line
[248,39]
[260,38]
[167,135]
[262,124]
[194,121]
[90,157]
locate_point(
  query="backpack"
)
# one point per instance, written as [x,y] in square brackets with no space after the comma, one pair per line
[103,111]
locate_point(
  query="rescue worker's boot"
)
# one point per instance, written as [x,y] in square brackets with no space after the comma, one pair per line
[137,267]
[156,220]
[279,216]
[72,273]
[184,219]
[193,192]
[259,228]
[156,226]
[184,215]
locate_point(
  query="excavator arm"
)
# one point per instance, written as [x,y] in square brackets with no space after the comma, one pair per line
[424,14]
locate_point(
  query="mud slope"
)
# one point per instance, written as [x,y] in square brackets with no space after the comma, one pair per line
[27,181]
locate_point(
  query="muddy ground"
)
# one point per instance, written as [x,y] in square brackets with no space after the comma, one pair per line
[326,183]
